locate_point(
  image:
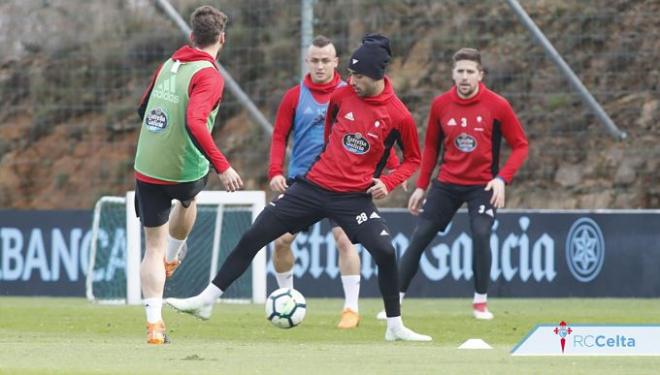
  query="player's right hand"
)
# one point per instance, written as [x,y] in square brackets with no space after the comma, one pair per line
[231,180]
[278,184]
[416,201]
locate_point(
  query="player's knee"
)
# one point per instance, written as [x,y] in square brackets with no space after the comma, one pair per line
[383,253]
[283,243]
[344,245]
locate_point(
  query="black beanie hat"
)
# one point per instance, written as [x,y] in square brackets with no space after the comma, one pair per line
[371,58]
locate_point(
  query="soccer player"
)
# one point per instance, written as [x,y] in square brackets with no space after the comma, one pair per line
[174,151]
[302,114]
[468,122]
[362,123]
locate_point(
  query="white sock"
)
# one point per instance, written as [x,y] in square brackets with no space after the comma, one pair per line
[210,294]
[153,307]
[480,298]
[394,323]
[285,279]
[173,247]
[401,295]
[351,285]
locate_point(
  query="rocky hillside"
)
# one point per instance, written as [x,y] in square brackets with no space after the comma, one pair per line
[72,72]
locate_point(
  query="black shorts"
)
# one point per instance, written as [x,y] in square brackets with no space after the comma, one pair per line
[153,202]
[290,181]
[443,200]
[304,204]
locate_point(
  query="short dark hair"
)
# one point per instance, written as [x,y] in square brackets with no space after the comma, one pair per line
[207,25]
[321,41]
[471,54]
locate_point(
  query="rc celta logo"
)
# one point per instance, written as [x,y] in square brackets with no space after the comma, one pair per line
[590,340]
[562,331]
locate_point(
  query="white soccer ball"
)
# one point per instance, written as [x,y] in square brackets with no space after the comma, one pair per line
[285,308]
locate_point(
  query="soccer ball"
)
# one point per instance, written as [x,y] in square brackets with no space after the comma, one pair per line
[285,308]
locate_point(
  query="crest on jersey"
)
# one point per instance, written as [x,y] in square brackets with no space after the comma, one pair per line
[355,143]
[465,142]
[156,120]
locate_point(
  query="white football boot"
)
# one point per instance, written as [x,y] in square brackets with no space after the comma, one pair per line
[192,306]
[480,311]
[404,334]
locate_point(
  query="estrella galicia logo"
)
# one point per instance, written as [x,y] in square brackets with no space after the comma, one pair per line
[156,120]
[465,142]
[355,143]
[585,249]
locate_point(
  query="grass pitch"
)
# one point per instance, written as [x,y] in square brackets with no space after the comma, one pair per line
[72,336]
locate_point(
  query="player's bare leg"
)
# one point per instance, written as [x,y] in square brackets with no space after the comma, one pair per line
[283,260]
[152,277]
[349,266]
[181,222]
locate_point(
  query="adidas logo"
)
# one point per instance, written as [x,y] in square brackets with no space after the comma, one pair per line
[168,85]
[490,212]
[451,122]
[354,61]
[384,233]
[349,116]
[374,215]
[166,90]
[308,110]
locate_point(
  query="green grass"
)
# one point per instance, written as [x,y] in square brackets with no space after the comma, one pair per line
[72,336]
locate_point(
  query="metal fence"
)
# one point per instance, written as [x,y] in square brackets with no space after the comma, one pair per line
[72,72]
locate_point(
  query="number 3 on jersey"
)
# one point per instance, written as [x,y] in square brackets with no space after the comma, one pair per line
[361,218]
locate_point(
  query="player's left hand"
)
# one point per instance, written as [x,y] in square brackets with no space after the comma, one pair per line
[378,190]
[497,186]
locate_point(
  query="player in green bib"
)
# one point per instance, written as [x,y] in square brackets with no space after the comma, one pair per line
[175,153]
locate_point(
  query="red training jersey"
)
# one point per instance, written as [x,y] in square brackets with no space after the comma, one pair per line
[285,118]
[359,133]
[470,132]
